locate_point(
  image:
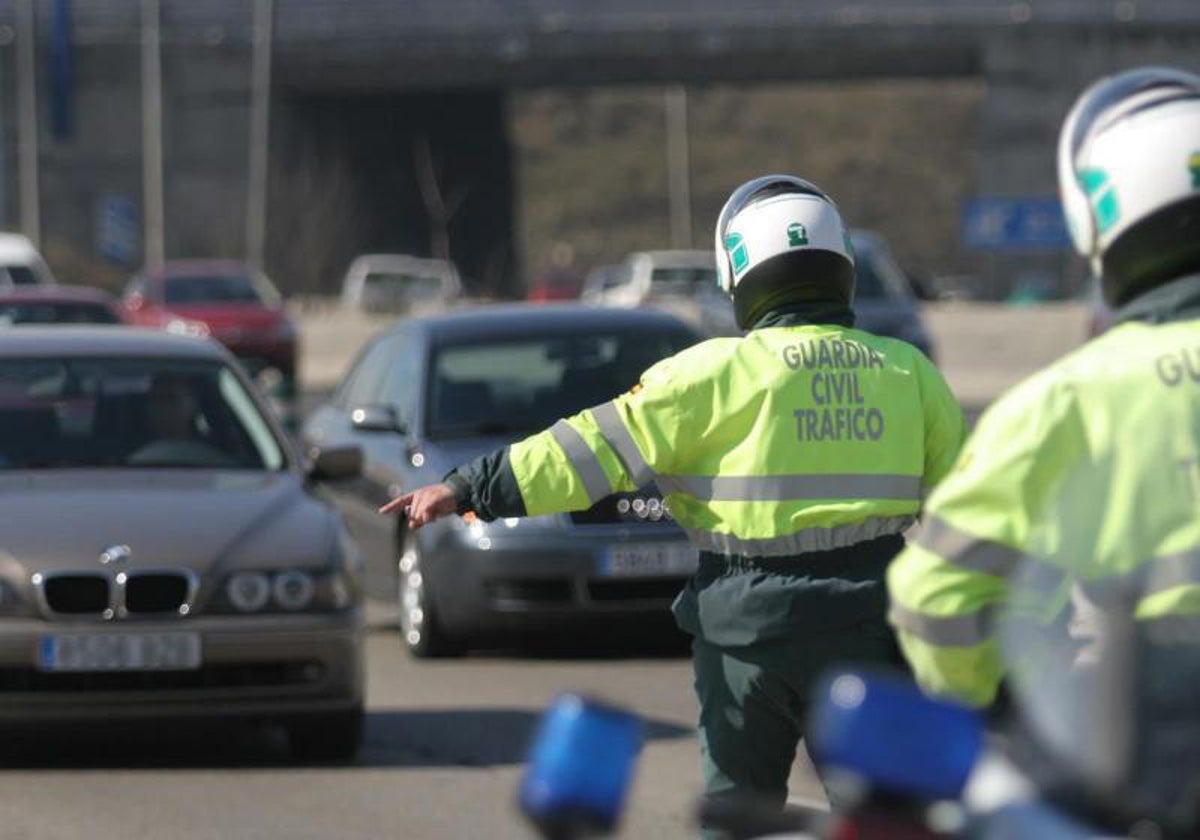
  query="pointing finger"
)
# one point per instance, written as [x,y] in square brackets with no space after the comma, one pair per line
[397,504]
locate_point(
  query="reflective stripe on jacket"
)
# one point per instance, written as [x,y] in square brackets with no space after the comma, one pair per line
[1086,476]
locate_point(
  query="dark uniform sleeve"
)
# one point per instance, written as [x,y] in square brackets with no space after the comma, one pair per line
[487,486]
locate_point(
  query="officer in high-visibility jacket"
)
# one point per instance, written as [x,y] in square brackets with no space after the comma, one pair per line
[794,458]
[1081,485]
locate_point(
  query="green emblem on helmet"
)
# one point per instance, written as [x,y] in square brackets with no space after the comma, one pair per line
[1194,166]
[739,257]
[1103,196]
[797,235]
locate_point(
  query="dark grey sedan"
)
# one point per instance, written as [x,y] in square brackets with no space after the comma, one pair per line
[161,552]
[434,392]
[883,297]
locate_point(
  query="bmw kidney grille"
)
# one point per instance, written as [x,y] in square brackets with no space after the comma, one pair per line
[156,592]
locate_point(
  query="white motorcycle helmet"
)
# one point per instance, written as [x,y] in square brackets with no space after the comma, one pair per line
[779,240]
[1129,174]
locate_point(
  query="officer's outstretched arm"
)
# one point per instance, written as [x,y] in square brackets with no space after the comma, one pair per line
[617,446]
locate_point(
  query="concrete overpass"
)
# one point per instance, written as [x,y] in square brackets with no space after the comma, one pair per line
[369,92]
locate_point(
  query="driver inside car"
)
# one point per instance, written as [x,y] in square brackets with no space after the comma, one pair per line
[172,418]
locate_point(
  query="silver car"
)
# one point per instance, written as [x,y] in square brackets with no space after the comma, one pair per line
[685,284]
[434,392]
[161,552]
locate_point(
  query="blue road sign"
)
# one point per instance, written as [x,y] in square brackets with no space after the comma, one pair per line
[117,230]
[1015,224]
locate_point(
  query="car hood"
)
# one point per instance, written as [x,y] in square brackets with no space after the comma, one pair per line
[205,520]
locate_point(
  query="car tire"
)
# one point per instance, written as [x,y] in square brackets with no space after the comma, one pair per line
[420,629]
[334,737]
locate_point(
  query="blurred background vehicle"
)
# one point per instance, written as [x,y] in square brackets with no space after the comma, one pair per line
[884,302]
[21,264]
[600,280]
[682,282]
[685,283]
[55,304]
[199,576]
[399,284]
[647,276]
[555,284]
[432,393]
[227,300]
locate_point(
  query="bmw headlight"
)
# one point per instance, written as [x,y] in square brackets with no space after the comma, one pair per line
[288,590]
[248,591]
[650,508]
[293,590]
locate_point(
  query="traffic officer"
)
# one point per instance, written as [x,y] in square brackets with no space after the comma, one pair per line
[1087,475]
[794,458]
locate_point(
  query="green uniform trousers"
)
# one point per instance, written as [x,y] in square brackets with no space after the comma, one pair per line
[754,703]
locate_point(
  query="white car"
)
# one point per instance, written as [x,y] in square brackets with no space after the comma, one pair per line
[682,282]
[685,284]
[397,283]
[21,264]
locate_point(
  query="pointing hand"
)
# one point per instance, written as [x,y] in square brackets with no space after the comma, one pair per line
[423,505]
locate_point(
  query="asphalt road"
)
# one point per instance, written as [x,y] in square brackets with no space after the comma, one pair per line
[443,754]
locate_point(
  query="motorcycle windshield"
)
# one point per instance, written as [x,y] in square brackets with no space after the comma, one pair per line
[1104,673]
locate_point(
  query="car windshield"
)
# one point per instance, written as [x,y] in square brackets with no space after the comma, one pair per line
[55,312]
[877,276]
[218,288]
[683,280]
[524,385]
[400,289]
[68,413]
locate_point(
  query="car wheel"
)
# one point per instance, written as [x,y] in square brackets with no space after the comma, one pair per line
[333,737]
[420,629]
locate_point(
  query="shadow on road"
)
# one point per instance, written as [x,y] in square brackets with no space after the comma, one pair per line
[465,737]
[644,638]
[394,738]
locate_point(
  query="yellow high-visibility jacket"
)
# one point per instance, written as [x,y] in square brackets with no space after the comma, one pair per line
[1085,477]
[789,440]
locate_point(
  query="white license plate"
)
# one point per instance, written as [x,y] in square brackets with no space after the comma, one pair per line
[120,652]
[650,560]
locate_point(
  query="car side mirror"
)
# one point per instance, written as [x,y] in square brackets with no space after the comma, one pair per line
[376,418]
[335,462]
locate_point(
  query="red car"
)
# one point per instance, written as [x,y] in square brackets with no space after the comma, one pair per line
[227,300]
[53,304]
[554,285]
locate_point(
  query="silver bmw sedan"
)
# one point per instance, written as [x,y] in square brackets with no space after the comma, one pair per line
[162,554]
